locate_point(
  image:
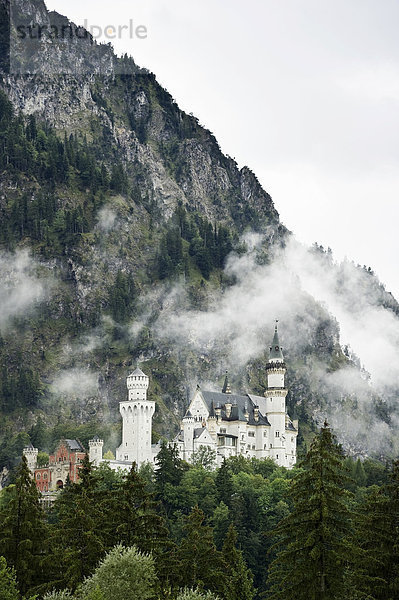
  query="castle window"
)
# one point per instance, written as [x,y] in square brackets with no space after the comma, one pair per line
[277,456]
[271,445]
[223,430]
[126,457]
[277,434]
[265,434]
[227,441]
[292,440]
[253,447]
[265,447]
[251,434]
[38,476]
[44,475]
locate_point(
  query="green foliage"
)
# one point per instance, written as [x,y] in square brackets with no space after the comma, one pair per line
[124,574]
[374,540]
[42,459]
[224,483]
[59,595]
[134,519]
[239,580]
[122,297]
[190,594]
[312,552]
[8,582]
[19,388]
[12,447]
[201,563]
[168,473]
[77,543]
[34,153]
[192,236]
[307,507]
[204,457]
[22,530]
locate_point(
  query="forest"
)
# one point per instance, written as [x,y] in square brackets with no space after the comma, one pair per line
[327,529]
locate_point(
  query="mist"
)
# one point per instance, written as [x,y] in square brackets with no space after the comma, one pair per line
[22,288]
[300,287]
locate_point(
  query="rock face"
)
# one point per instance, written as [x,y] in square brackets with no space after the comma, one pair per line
[77,354]
[80,86]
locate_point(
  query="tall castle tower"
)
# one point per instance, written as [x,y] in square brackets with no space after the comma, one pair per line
[96,450]
[30,454]
[275,394]
[137,413]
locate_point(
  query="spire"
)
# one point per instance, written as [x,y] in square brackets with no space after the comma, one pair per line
[275,349]
[226,386]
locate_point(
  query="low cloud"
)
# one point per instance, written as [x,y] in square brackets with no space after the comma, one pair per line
[302,288]
[75,383]
[21,287]
[106,219]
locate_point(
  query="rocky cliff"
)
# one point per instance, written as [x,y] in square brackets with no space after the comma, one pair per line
[123,215]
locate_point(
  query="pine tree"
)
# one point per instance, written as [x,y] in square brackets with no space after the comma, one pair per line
[8,583]
[224,483]
[23,530]
[312,554]
[135,519]
[78,538]
[168,473]
[201,563]
[359,474]
[375,543]
[239,579]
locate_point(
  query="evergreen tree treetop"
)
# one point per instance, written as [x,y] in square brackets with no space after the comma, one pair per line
[23,530]
[312,553]
[8,583]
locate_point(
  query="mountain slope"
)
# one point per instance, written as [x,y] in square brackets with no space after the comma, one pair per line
[127,235]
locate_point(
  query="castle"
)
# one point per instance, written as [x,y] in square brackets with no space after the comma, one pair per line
[62,465]
[247,425]
[227,424]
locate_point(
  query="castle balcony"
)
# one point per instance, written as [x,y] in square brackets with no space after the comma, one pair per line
[276,366]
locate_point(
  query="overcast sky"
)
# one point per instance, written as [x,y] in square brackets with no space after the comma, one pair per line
[304,92]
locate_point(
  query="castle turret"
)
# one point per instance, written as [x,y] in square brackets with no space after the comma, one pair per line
[188,424]
[275,394]
[96,450]
[30,454]
[137,413]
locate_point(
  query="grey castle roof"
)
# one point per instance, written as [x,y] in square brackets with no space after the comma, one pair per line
[275,350]
[95,439]
[75,445]
[240,405]
[138,373]
[198,431]
[290,426]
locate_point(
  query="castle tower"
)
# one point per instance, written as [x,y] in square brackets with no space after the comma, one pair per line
[31,456]
[188,424]
[137,413]
[96,450]
[275,394]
